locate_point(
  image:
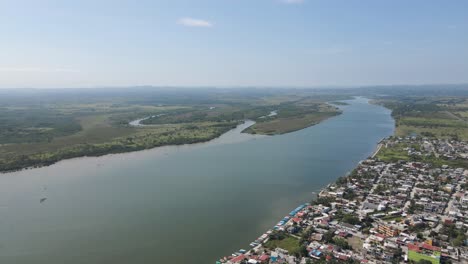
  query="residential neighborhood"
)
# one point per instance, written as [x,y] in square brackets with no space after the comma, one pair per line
[407,204]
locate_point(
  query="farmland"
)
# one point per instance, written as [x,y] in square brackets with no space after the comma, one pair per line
[442,117]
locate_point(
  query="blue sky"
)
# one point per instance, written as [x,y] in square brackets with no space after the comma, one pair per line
[283,43]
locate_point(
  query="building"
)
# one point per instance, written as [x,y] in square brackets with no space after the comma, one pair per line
[388,231]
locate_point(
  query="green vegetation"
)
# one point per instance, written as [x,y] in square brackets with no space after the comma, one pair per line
[290,243]
[350,219]
[393,153]
[39,128]
[293,116]
[457,236]
[381,188]
[420,258]
[341,242]
[147,138]
[390,218]
[399,152]
[441,117]
[25,126]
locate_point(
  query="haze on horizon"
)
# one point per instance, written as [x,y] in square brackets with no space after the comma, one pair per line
[297,43]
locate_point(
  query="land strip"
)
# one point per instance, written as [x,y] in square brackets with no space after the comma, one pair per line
[61,126]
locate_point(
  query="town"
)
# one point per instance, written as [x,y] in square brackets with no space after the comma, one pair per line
[407,203]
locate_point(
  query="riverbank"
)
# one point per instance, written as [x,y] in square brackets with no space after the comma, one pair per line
[379,213]
[145,140]
[291,226]
[150,136]
[91,124]
[282,126]
[285,121]
[116,208]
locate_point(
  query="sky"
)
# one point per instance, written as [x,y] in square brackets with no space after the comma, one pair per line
[230,43]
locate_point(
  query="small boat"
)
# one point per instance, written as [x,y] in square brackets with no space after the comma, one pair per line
[42,200]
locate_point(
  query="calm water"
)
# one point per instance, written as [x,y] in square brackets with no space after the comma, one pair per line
[187,204]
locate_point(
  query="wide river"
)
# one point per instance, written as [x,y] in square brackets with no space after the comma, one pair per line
[178,204]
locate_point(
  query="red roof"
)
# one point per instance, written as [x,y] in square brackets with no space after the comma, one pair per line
[417,248]
[296,219]
[381,236]
[238,258]
[264,257]
[433,248]
[413,247]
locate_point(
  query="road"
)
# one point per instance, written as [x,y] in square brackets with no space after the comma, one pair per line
[379,146]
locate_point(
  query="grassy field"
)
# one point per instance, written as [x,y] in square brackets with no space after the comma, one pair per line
[415,256]
[286,125]
[104,130]
[355,242]
[291,244]
[293,116]
[440,117]
[399,152]
[392,218]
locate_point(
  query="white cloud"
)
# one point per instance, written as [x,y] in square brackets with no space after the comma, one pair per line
[193,22]
[292,1]
[36,69]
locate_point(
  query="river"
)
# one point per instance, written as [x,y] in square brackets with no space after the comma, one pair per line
[178,204]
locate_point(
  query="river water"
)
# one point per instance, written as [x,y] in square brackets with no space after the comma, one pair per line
[178,204]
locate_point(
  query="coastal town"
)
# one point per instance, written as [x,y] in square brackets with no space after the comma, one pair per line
[407,203]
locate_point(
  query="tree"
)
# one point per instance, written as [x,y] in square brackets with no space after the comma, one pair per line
[303,251]
[423,261]
[351,219]
[459,240]
[420,235]
[342,243]
[328,237]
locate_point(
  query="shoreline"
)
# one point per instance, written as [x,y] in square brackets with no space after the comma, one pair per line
[275,113]
[136,123]
[245,122]
[357,213]
[157,175]
[377,149]
[317,194]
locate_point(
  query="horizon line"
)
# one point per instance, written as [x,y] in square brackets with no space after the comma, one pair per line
[235,86]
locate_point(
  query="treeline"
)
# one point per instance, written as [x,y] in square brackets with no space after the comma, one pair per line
[400,109]
[206,115]
[34,125]
[120,145]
